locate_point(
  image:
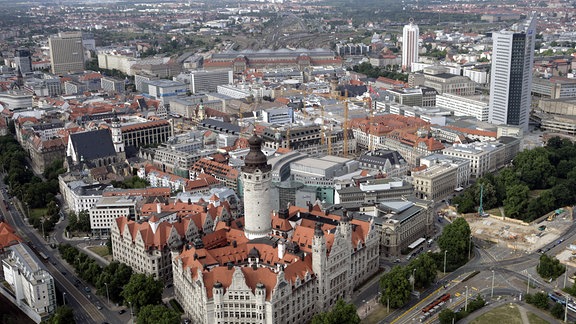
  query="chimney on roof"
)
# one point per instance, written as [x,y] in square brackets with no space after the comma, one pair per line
[309,207]
[230,265]
[205,208]
[281,249]
[195,256]
[158,208]
[234,244]
[189,201]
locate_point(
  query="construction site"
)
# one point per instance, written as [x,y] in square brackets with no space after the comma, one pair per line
[507,238]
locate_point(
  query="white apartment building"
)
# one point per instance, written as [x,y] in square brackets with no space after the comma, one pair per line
[119,60]
[478,76]
[31,283]
[474,106]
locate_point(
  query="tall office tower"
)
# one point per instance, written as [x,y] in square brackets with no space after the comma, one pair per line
[410,37]
[23,60]
[66,52]
[511,79]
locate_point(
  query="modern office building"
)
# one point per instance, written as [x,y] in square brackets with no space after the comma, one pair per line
[206,81]
[511,80]
[474,106]
[554,88]
[23,60]
[104,213]
[410,37]
[112,85]
[66,52]
[164,90]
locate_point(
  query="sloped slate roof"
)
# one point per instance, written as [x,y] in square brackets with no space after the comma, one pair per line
[93,144]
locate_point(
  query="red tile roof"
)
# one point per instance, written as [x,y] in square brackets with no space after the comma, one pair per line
[8,236]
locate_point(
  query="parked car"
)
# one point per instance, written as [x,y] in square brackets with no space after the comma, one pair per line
[122,311]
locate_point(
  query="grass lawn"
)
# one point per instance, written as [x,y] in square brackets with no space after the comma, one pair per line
[100,250]
[38,212]
[376,315]
[534,319]
[508,314]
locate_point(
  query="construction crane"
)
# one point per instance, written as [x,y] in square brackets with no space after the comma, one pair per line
[370,123]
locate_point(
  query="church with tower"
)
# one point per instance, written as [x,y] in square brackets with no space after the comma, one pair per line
[272,266]
[101,151]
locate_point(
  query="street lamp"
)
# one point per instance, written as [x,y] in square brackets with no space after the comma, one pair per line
[43,234]
[566,308]
[565,275]
[528,285]
[492,292]
[413,278]
[445,251]
[64,297]
[469,247]
[107,295]
[129,303]
[466,304]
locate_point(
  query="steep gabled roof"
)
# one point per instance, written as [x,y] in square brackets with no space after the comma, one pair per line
[93,144]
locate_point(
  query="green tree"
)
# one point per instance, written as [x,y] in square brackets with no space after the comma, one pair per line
[550,267]
[341,313]
[63,315]
[476,304]
[557,310]
[533,167]
[157,314]
[447,316]
[539,300]
[516,201]
[72,221]
[83,221]
[395,287]
[455,239]
[142,290]
[426,270]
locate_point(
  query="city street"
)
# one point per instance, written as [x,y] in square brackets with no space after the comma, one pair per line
[513,272]
[85,309]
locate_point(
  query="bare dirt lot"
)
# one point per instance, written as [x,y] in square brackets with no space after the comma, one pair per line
[513,236]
